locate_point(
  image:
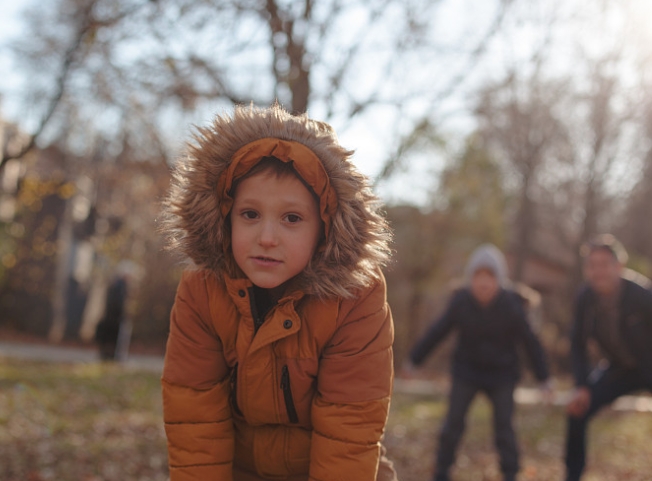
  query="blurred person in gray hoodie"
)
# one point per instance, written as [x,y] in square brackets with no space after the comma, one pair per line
[491,322]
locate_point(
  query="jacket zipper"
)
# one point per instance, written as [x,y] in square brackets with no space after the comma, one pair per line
[287,395]
[234,390]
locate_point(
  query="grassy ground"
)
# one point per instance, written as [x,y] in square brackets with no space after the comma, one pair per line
[619,447]
[79,423]
[101,422]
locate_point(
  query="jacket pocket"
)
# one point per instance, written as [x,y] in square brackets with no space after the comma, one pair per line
[287,395]
[234,390]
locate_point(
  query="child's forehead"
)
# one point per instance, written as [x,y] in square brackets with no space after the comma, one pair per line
[270,184]
[270,177]
[483,271]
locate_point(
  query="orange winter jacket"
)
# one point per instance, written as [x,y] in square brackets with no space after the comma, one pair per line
[307,394]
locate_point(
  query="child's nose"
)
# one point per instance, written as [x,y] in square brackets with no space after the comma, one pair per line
[268,234]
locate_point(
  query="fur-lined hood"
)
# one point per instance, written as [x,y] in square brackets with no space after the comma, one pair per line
[195,214]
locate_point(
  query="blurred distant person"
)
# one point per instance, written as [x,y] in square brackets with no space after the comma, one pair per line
[491,322]
[108,329]
[616,312]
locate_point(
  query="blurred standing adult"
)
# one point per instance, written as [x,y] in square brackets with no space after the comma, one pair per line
[616,312]
[108,329]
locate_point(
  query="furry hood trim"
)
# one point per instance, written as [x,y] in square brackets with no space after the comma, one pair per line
[196,211]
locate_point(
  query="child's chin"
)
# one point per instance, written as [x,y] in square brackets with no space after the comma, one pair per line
[268,284]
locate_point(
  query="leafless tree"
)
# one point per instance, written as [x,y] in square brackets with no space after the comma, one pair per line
[518,122]
[634,225]
[131,74]
[150,67]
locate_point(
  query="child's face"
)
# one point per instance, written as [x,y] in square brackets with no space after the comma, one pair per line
[275,227]
[484,286]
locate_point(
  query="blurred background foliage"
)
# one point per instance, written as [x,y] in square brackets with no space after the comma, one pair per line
[526,124]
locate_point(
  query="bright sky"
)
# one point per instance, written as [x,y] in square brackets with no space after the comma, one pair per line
[415,184]
[9,29]
[363,137]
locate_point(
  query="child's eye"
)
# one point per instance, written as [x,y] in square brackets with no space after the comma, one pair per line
[249,214]
[292,218]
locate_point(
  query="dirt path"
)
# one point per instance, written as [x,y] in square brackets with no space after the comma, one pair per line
[48,352]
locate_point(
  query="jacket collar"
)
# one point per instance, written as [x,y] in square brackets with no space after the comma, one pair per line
[239,289]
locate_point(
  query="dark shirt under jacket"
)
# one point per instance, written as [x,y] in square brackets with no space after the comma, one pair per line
[631,348]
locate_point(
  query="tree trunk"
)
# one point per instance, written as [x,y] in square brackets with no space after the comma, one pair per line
[300,86]
[525,225]
[589,228]
[62,276]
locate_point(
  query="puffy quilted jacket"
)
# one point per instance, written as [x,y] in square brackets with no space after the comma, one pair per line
[307,393]
[301,393]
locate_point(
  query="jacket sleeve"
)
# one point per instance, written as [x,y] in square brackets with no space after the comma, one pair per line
[533,347]
[579,358]
[354,385]
[436,333]
[647,305]
[196,389]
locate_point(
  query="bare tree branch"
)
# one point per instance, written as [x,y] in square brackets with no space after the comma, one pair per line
[394,161]
[87,24]
[60,87]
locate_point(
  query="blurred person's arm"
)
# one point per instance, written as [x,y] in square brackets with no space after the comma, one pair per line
[533,347]
[578,345]
[435,334]
[581,396]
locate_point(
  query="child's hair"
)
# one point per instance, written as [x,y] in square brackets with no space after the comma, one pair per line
[607,243]
[196,210]
[269,164]
[276,167]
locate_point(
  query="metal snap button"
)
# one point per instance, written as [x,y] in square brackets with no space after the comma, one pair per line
[287,323]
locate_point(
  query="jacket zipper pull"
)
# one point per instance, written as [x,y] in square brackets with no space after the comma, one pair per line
[234,390]
[287,395]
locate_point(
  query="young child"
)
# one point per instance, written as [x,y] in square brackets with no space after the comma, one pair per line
[491,323]
[279,358]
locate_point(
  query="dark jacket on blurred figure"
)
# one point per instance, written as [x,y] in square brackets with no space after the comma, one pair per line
[488,338]
[634,320]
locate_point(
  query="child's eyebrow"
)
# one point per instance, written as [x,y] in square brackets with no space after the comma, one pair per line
[287,203]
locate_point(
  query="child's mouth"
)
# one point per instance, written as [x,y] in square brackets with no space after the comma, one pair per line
[266,260]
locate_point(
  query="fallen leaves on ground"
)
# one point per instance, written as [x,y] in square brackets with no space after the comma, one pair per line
[618,442]
[94,422]
[102,422]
